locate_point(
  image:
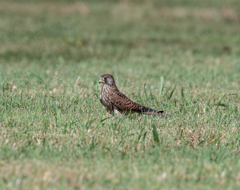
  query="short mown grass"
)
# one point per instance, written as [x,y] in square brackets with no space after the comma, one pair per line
[177,56]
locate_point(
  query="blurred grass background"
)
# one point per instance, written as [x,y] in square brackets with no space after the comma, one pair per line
[55,134]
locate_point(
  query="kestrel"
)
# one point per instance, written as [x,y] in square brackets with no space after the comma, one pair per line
[118,103]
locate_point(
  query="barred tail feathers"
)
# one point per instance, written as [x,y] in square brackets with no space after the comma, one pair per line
[150,111]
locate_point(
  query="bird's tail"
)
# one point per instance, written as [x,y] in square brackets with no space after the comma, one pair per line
[150,111]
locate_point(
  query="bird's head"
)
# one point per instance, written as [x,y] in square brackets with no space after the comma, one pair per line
[107,79]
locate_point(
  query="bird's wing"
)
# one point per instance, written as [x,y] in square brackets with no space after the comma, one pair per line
[123,103]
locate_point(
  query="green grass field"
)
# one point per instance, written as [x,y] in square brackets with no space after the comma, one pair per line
[179,56]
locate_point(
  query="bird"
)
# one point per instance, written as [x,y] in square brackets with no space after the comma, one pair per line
[118,103]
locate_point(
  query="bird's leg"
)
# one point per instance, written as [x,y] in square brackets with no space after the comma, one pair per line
[109,111]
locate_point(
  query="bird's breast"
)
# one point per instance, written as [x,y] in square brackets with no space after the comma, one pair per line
[104,97]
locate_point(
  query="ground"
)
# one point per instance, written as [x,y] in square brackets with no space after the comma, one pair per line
[177,56]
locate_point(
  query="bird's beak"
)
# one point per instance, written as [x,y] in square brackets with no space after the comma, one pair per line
[101,80]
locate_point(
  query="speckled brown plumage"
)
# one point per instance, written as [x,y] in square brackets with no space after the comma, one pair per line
[117,102]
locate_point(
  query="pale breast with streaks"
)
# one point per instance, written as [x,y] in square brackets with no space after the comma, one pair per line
[104,97]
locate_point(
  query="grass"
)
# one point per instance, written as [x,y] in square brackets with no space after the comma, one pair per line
[169,55]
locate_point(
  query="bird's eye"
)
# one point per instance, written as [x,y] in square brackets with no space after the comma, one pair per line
[105,78]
